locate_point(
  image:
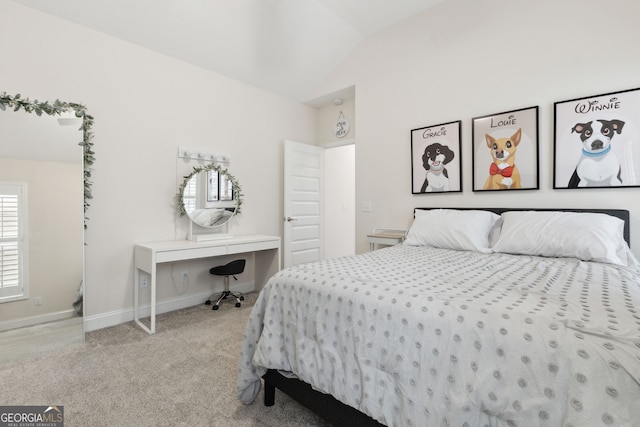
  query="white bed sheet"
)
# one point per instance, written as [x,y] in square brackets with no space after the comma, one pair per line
[416,336]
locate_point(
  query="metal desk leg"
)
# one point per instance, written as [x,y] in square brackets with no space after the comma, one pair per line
[153,305]
[136,302]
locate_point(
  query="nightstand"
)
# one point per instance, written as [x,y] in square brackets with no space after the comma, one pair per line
[385,236]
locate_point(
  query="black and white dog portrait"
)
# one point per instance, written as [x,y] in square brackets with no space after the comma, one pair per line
[434,159]
[598,166]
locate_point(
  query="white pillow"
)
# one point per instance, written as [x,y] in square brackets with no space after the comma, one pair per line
[466,230]
[585,236]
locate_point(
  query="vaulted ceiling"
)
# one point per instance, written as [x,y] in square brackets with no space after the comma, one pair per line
[284,46]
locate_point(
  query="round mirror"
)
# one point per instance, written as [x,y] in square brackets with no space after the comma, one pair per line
[210,196]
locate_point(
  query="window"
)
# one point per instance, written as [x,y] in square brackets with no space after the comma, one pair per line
[13,283]
[189,194]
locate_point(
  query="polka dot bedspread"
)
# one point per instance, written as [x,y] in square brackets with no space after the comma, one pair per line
[417,336]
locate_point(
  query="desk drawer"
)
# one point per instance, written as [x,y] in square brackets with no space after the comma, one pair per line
[252,247]
[194,253]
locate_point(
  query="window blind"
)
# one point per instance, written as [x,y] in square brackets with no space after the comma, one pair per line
[11,283]
[189,195]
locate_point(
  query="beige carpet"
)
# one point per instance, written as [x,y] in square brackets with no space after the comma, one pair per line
[31,341]
[184,375]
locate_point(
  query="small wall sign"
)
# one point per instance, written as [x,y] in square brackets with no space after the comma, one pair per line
[342,126]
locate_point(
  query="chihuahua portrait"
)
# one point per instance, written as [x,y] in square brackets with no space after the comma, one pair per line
[503,172]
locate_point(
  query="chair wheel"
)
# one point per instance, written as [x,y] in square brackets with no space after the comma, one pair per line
[207,302]
[238,304]
[241,298]
[215,307]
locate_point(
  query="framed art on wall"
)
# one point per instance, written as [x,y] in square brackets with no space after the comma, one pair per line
[505,151]
[597,141]
[436,164]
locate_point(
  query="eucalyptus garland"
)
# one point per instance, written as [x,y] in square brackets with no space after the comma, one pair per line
[237,190]
[56,108]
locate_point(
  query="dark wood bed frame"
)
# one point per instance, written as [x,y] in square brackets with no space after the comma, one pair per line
[336,412]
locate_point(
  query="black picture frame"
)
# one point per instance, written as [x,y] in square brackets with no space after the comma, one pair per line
[597,141]
[436,159]
[500,133]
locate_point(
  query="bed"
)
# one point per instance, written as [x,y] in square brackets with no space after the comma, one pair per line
[496,317]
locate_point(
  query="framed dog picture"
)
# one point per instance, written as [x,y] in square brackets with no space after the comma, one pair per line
[505,151]
[597,141]
[436,164]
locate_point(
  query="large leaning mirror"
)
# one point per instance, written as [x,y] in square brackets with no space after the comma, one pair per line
[45,160]
[210,196]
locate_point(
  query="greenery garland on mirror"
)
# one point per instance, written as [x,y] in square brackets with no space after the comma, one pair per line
[237,190]
[55,109]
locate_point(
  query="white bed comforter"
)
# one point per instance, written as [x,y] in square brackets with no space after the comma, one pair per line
[416,336]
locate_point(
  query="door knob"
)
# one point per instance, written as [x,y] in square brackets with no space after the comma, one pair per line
[289,219]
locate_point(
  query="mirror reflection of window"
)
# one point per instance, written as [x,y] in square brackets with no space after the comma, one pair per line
[12,225]
[226,188]
[209,198]
[212,186]
[189,195]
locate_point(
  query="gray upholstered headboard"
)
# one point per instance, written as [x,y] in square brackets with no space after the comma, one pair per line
[619,213]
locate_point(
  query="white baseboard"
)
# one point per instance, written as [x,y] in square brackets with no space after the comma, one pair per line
[35,320]
[113,318]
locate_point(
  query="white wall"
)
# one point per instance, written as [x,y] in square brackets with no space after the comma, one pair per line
[340,188]
[146,105]
[328,116]
[469,58]
[463,59]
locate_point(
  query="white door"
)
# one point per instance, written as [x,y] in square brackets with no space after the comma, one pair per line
[303,203]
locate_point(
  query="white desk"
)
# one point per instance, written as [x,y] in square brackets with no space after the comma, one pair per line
[148,255]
